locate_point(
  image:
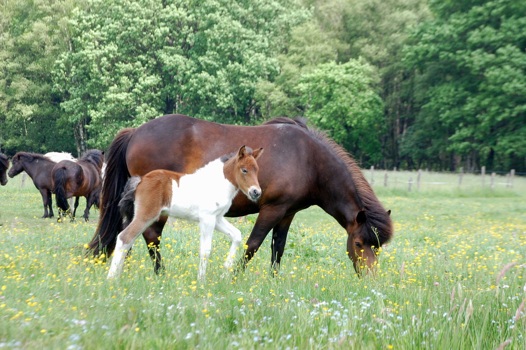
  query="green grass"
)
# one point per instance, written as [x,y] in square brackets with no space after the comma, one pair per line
[444,282]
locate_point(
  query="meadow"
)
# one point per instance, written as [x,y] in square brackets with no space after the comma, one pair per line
[453,277]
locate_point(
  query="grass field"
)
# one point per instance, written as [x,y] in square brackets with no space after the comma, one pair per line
[453,277]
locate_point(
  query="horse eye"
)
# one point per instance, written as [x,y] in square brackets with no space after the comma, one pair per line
[358,245]
[244,171]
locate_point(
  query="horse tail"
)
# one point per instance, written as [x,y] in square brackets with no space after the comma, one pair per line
[115,178]
[126,204]
[60,179]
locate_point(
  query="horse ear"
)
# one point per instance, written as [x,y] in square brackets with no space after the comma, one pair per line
[361,217]
[389,212]
[257,153]
[242,152]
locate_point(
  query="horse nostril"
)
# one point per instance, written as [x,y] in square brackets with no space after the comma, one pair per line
[255,193]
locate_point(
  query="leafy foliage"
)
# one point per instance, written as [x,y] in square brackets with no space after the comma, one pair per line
[472,66]
[135,60]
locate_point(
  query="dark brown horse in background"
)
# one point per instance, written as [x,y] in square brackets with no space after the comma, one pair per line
[38,167]
[4,165]
[76,179]
[301,167]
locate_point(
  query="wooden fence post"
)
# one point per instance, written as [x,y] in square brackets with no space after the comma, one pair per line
[410,184]
[372,174]
[460,175]
[492,182]
[418,176]
[385,179]
[483,174]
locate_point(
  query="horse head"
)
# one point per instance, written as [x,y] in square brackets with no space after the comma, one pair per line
[369,231]
[17,163]
[243,170]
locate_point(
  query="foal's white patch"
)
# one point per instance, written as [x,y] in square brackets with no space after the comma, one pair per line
[205,192]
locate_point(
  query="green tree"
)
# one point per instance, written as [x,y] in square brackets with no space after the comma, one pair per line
[471,61]
[341,99]
[134,60]
[32,34]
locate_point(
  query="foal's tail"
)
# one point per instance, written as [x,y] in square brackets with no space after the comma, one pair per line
[110,219]
[60,179]
[126,204]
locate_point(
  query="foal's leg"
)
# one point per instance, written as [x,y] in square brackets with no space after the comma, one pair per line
[222,225]
[206,226]
[124,242]
[152,236]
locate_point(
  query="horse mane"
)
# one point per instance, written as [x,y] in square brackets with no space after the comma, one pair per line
[33,155]
[93,156]
[4,161]
[377,217]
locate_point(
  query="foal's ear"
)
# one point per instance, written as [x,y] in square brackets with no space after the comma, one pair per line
[257,153]
[242,152]
[389,212]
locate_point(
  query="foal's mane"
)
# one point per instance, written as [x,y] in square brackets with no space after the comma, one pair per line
[377,216]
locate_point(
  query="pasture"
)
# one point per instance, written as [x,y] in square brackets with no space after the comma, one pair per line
[454,276]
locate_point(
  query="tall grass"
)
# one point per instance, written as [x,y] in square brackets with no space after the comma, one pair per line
[452,278]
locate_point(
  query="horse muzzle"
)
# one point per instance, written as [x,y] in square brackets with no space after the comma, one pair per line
[254,193]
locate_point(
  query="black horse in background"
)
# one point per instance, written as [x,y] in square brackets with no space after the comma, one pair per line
[75,179]
[38,167]
[4,165]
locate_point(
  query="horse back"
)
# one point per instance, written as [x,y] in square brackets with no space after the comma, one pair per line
[287,168]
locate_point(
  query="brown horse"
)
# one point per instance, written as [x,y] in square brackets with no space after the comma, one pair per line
[203,196]
[301,167]
[80,178]
[38,167]
[4,165]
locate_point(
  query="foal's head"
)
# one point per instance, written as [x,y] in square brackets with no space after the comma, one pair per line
[242,171]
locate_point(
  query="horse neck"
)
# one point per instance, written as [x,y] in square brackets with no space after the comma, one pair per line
[340,196]
[229,168]
[32,168]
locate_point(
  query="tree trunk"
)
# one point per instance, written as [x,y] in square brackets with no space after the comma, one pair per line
[80,137]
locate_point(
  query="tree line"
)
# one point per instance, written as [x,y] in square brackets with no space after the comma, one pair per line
[399,83]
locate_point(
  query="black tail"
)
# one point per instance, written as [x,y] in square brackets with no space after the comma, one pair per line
[126,204]
[110,219]
[60,179]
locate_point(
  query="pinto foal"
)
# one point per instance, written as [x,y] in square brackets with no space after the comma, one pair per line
[204,196]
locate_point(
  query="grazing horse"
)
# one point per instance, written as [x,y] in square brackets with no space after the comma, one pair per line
[38,167]
[301,167]
[4,164]
[80,178]
[203,196]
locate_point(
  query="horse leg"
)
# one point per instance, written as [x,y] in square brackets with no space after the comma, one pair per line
[267,219]
[124,242]
[279,239]
[152,236]
[206,226]
[90,199]
[50,203]
[76,205]
[222,225]
[45,201]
